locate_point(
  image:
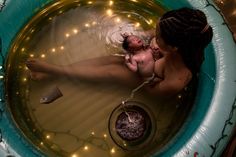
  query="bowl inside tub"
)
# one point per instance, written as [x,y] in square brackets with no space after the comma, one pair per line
[77,123]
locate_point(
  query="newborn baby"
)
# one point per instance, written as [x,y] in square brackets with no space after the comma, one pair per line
[139,58]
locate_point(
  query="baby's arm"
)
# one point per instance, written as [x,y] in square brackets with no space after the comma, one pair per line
[131,63]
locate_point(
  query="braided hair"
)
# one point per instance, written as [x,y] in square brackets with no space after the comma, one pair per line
[188,30]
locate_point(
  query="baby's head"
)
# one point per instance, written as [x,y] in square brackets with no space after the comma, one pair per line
[132,43]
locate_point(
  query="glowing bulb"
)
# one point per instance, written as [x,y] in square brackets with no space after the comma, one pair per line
[90,2]
[0,67]
[128,15]
[150,21]
[43,56]
[113,150]
[75,31]
[62,47]
[137,24]
[105,135]
[117,19]
[74,155]
[109,12]
[23,49]
[28,38]
[67,35]
[85,147]
[50,18]
[92,133]
[60,11]
[1,77]
[41,143]
[31,55]
[87,25]
[94,23]
[179,96]
[48,136]
[111,3]
[53,50]
[134,0]
[24,79]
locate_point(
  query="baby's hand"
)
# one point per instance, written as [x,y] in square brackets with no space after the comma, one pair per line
[127,58]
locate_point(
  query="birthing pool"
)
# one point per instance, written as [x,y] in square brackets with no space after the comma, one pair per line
[62,32]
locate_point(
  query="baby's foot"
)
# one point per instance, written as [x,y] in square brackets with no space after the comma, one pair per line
[50,96]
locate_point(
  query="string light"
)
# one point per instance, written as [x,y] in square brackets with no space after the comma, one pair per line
[92,133]
[87,25]
[137,24]
[74,155]
[128,15]
[22,49]
[113,150]
[117,19]
[85,147]
[24,79]
[109,12]
[62,47]
[67,35]
[75,31]
[111,3]
[43,56]
[53,50]
[90,2]
[48,136]
[31,55]
[105,135]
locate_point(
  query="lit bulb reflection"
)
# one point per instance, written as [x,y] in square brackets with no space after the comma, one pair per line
[137,24]
[31,55]
[87,25]
[62,47]
[111,3]
[109,12]
[74,155]
[53,50]
[42,55]
[86,147]
[67,35]
[24,79]
[117,20]
[22,49]
[48,136]
[75,31]
[113,150]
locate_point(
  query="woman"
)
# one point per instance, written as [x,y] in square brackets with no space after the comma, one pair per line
[181,36]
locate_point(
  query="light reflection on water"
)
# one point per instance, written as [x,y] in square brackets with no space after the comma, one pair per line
[76,124]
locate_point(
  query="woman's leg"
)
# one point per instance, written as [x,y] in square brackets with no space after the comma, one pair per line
[101,69]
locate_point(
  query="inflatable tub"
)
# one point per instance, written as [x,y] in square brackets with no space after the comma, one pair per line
[205,131]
